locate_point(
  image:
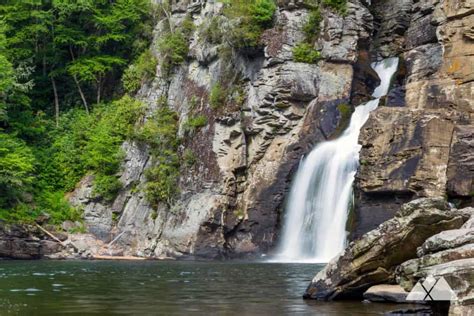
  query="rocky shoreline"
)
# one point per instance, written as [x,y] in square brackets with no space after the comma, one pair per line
[426,238]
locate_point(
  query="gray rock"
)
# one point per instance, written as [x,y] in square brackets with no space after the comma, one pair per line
[25,242]
[407,270]
[446,240]
[386,293]
[458,273]
[372,259]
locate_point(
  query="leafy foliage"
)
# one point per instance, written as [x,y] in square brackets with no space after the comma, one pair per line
[56,57]
[173,49]
[250,18]
[339,5]
[141,71]
[160,134]
[195,122]
[189,157]
[218,96]
[311,28]
[305,53]
[16,169]
[211,31]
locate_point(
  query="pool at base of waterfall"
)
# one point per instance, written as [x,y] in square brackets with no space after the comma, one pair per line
[166,288]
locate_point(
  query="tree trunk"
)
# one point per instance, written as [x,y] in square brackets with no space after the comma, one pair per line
[83,97]
[56,101]
[99,89]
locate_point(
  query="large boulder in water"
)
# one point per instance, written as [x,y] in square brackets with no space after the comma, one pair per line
[372,259]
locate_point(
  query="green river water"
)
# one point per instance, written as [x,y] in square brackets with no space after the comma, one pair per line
[165,288]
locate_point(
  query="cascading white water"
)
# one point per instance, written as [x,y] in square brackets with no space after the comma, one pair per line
[316,213]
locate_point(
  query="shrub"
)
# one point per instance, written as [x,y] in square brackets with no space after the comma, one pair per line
[251,18]
[162,179]
[189,157]
[211,31]
[312,28]
[90,143]
[141,71]
[56,205]
[187,26]
[195,122]
[173,49]
[16,169]
[106,187]
[218,96]
[20,213]
[305,53]
[338,5]
[102,153]
[160,133]
[262,11]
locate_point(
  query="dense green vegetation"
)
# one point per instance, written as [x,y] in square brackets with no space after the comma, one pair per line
[160,133]
[305,53]
[61,68]
[250,18]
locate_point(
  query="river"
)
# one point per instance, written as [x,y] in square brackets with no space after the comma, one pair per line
[165,288]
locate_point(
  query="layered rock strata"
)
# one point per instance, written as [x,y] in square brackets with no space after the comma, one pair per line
[373,258]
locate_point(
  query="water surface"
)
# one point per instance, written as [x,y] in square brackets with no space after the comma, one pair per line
[164,288]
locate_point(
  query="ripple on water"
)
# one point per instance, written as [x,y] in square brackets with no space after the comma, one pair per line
[31,289]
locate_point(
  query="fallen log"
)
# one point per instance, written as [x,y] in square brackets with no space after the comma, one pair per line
[98,257]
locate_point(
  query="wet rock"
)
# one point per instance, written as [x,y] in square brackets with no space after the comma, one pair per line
[372,259]
[420,311]
[386,293]
[25,242]
[49,247]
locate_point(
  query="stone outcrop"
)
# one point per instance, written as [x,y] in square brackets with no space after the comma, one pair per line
[419,142]
[373,258]
[25,242]
[231,199]
[449,254]
[386,293]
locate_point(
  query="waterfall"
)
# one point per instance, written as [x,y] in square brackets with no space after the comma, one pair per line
[321,194]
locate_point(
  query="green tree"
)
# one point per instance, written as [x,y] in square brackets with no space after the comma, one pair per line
[16,170]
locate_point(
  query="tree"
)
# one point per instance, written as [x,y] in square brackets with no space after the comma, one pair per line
[16,168]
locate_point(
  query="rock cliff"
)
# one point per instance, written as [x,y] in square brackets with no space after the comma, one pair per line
[419,143]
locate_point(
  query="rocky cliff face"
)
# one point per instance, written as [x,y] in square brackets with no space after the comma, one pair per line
[418,144]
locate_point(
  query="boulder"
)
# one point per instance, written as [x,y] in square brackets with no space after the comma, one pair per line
[386,293]
[449,254]
[459,274]
[407,271]
[372,259]
[447,240]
